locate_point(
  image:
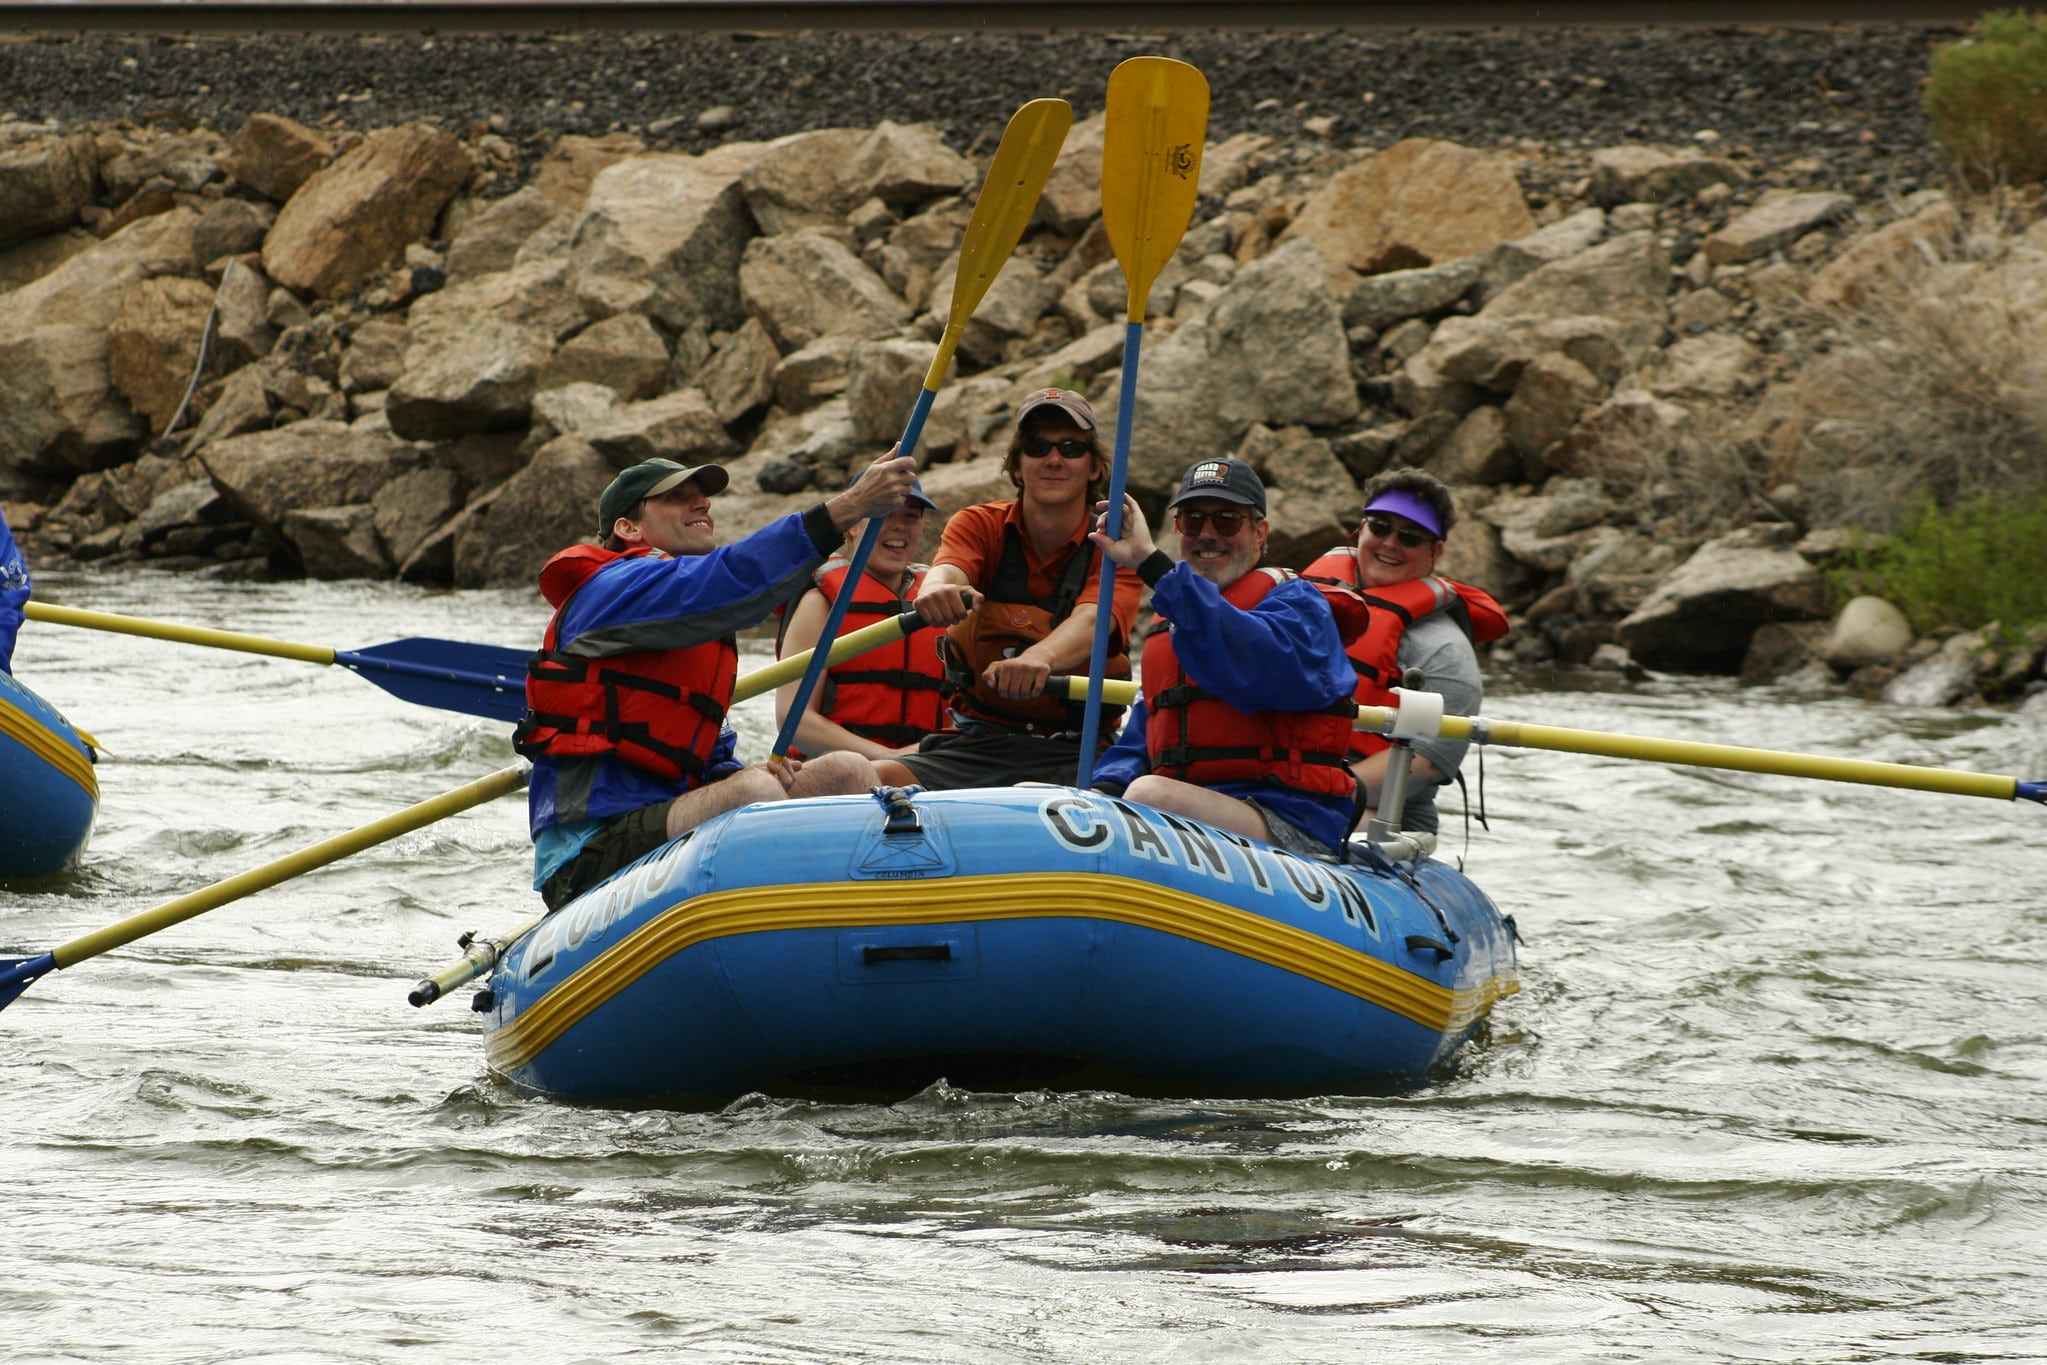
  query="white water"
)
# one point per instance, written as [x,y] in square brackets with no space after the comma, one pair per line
[1773,1091]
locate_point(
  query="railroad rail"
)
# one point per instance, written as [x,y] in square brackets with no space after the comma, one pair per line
[680,16]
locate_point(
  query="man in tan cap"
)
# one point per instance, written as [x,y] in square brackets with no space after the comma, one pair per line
[626,699]
[1029,562]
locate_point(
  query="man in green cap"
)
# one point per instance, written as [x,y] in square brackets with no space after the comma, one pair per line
[626,699]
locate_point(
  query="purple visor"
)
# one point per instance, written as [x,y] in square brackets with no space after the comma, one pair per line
[1404,504]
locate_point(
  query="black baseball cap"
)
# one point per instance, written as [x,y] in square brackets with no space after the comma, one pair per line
[1230,480]
[649,477]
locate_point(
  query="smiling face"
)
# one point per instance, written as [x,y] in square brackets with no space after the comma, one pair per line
[1221,559]
[896,548]
[1055,479]
[678,521]
[1384,560]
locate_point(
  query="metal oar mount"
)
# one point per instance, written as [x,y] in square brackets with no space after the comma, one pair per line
[1387,720]
[476,680]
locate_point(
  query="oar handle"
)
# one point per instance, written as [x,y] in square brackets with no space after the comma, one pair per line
[480,955]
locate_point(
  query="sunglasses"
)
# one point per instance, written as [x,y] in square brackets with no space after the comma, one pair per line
[1188,522]
[1072,448]
[1382,527]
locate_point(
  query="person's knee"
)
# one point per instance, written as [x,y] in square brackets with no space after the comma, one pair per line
[742,788]
[835,774]
[1148,790]
[890,773]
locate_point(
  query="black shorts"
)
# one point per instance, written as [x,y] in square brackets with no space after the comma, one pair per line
[994,758]
[626,839]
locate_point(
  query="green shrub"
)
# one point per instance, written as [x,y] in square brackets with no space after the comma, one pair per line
[1987,98]
[1984,560]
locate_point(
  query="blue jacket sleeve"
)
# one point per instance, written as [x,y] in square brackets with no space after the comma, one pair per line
[13,594]
[649,603]
[1127,759]
[1282,655]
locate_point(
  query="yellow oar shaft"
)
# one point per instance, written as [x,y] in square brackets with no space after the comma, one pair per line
[291,865]
[1734,758]
[790,669]
[1689,753]
[190,635]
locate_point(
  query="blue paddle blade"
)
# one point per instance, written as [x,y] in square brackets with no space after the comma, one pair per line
[17,974]
[476,680]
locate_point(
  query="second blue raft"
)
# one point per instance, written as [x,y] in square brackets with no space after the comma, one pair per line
[48,792]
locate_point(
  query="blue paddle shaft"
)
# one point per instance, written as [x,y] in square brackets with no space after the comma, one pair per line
[2031,791]
[1105,594]
[836,617]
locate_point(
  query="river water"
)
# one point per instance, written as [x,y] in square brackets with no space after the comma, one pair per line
[1775,1088]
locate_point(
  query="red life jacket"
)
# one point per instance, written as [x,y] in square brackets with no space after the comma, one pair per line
[659,710]
[1009,621]
[1197,737]
[889,694]
[1375,654]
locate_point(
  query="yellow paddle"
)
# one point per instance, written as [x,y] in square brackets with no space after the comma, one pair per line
[1157,124]
[1690,753]
[1009,195]
[17,974]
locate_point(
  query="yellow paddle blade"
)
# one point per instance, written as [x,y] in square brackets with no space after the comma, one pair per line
[1009,195]
[1151,166]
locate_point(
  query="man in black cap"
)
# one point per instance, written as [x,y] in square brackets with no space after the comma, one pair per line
[1243,722]
[1028,562]
[626,699]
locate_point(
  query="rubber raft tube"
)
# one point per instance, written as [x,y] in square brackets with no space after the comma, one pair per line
[1001,937]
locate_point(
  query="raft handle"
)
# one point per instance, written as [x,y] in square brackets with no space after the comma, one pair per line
[1417,943]
[905,952]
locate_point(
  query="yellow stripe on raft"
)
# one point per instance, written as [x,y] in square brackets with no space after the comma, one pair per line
[953,900]
[25,730]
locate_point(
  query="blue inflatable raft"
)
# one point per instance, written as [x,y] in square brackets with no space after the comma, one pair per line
[48,794]
[1001,938]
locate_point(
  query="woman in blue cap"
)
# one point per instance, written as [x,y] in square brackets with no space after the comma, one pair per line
[1420,620]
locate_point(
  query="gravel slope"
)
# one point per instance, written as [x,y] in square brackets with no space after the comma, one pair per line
[1850,95]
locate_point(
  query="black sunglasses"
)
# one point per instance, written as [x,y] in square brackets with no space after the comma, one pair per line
[1072,448]
[1382,527]
[1187,522]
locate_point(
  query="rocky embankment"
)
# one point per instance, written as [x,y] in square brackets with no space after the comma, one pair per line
[424,352]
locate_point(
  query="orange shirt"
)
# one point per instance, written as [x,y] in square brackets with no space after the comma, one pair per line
[972,543]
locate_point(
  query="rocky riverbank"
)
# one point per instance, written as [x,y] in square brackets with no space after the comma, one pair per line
[429,343]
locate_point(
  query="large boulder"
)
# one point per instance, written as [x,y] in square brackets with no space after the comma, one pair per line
[1774,225]
[623,352]
[492,240]
[800,180]
[1271,349]
[44,185]
[357,215]
[1309,494]
[1701,617]
[1626,279]
[905,165]
[275,156]
[806,285]
[153,343]
[337,542]
[1420,202]
[1894,249]
[481,379]
[882,385]
[1010,308]
[1646,175]
[309,465]
[1869,630]
[59,410]
[1072,196]
[550,503]
[740,376]
[663,235]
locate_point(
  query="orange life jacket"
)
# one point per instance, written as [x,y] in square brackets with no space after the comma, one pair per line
[1197,737]
[889,694]
[1009,621]
[659,710]
[1375,653]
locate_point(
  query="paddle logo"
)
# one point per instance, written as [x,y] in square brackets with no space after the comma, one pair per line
[1180,160]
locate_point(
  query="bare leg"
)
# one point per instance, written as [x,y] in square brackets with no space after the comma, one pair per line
[893,774]
[743,788]
[1198,803]
[840,773]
